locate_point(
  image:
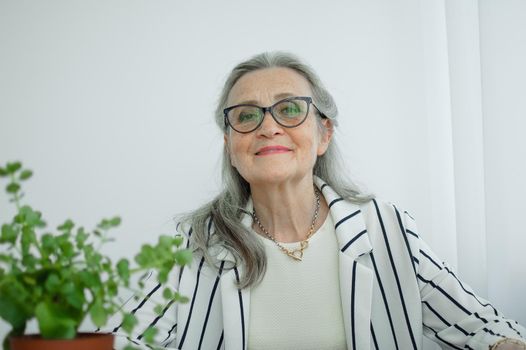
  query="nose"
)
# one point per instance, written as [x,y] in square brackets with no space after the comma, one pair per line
[269,127]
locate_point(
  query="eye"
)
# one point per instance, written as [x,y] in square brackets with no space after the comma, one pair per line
[247,116]
[291,109]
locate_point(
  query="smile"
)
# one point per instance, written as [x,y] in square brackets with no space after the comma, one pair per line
[272,150]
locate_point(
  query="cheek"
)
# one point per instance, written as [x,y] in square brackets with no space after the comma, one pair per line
[235,149]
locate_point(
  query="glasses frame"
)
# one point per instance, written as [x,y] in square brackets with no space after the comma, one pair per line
[270,109]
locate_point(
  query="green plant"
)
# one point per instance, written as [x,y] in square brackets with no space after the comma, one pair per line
[61,278]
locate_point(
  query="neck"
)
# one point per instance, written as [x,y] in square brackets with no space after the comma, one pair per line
[286,210]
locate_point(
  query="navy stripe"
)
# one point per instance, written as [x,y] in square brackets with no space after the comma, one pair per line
[334,202]
[352,240]
[169,333]
[220,340]
[470,293]
[404,308]
[385,299]
[346,218]
[438,315]
[516,331]
[409,215]
[209,225]
[430,259]
[411,233]
[493,333]
[445,321]
[416,259]
[402,230]
[144,344]
[480,318]
[443,340]
[181,269]
[192,303]
[189,235]
[353,294]
[210,303]
[241,308]
[463,330]
[323,186]
[374,337]
[140,305]
[154,322]
[434,285]
[453,300]
[426,281]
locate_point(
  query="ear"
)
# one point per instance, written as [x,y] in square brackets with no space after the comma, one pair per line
[326,136]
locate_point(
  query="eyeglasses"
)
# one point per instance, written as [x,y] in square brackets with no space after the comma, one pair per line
[289,113]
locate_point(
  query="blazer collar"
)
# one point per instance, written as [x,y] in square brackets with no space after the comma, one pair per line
[348,220]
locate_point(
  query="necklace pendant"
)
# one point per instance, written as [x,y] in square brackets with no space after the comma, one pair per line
[296,255]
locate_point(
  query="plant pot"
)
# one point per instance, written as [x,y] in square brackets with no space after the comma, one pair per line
[83,341]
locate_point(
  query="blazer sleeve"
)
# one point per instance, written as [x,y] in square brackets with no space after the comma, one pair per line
[452,314]
[143,307]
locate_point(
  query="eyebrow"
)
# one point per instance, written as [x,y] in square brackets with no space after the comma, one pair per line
[276,98]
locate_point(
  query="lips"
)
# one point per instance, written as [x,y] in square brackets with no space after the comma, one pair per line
[272,149]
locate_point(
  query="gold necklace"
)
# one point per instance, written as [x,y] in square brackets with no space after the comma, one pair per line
[296,254]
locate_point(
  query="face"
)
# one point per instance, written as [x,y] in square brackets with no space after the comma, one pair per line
[298,147]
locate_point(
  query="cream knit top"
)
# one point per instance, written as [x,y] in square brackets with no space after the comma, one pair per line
[297,305]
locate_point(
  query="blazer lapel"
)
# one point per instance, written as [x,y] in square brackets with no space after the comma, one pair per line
[235,302]
[356,279]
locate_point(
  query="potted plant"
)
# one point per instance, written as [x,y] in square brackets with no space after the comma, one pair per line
[61,278]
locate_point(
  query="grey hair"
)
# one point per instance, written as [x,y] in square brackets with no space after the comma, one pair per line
[227,208]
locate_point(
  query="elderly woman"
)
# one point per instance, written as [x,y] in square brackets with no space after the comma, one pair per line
[291,255]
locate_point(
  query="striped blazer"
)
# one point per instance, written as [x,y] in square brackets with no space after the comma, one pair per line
[393,290]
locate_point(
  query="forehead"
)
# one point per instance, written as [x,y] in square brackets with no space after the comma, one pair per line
[263,85]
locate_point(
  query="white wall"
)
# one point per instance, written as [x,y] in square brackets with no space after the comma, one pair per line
[110,103]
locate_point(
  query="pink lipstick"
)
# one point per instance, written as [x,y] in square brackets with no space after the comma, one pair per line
[272,150]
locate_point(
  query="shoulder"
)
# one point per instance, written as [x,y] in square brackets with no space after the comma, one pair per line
[381,211]
[388,223]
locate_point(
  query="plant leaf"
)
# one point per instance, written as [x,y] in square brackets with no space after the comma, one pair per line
[66,226]
[98,314]
[26,174]
[183,257]
[167,293]
[178,240]
[116,221]
[12,310]
[53,283]
[9,234]
[149,334]
[11,168]
[54,321]
[13,187]
[123,269]
[129,322]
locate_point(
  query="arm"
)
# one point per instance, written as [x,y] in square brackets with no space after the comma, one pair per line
[452,314]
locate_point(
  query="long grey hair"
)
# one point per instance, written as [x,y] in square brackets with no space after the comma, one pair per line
[224,212]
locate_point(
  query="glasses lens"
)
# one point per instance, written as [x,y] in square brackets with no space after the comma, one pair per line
[291,112]
[244,118]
